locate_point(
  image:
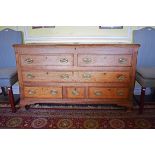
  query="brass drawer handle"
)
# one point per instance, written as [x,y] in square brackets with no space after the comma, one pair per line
[86,76]
[75,92]
[87,60]
[30,76]
[29,60]
[64,60]
[98,93]
[53,92]
[121,78]
[122,60]
[120,93]
[65,76]
[31,92]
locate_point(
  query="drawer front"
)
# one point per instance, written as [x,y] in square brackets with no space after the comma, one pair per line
[75,92]
[104,60]
[97,92]
[43,92]
[47,76]
[54,60]
[103,76]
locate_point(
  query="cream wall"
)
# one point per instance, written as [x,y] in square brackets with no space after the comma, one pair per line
[76,34]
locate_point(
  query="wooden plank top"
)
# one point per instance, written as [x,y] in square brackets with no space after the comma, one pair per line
[76,44]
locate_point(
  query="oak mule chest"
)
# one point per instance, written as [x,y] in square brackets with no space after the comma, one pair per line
[76,73]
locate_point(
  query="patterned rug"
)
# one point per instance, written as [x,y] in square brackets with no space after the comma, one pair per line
[76,118]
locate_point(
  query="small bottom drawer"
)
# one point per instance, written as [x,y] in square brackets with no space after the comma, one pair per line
[75,92]
[43,92]
[98,92]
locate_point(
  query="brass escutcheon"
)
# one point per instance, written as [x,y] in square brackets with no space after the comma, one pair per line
[87,60]
[65,76]
[98,93]
[31,92]
[63,60]
[30,76]
[29,60]
[122,60]
[75,92]
[121,78]
[53,92]
[86,75]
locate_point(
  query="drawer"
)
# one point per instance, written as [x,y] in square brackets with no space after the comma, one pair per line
[98,92]
[47,76]
[54,60]
[104,76]
[43,92]
[104,60]
[75,92]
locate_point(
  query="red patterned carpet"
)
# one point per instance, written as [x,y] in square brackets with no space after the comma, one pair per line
[69,118]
